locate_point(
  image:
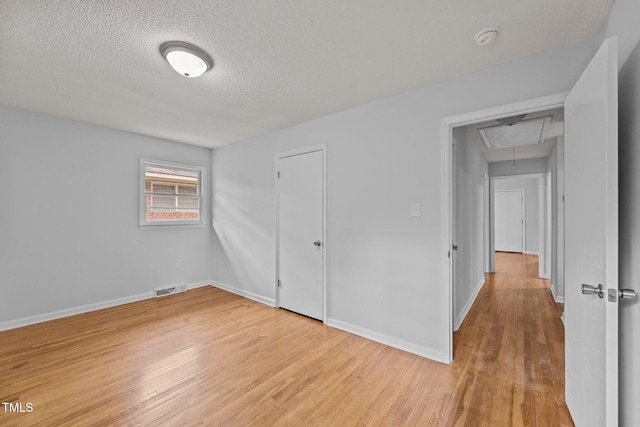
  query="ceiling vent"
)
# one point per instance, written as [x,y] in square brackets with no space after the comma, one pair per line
[525,132]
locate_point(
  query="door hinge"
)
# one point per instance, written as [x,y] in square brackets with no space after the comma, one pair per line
[279,283]
[278,174]
[449,254]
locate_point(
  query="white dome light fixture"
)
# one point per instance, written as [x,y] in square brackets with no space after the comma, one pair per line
[186,59]
[487,36]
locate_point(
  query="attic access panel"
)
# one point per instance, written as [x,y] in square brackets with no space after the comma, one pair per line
[526,132]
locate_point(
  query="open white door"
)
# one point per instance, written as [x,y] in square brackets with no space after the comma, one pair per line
[591,245]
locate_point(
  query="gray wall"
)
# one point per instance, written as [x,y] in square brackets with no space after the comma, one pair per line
[629,173]
[469,211]
[380,158]
[69,234]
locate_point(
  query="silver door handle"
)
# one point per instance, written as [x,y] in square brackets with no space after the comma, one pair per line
[628,294]
[317,243]
[591,290]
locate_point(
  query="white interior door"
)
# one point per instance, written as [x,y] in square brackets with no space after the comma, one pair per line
[509,220]
[591,242]
[300,251]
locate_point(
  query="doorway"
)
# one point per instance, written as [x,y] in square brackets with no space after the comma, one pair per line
[534,220]
[300,231]
[524,108]
[591,172]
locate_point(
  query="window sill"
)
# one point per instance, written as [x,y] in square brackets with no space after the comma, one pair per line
[165,226]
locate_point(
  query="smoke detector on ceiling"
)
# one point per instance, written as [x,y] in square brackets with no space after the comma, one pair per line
[487,36]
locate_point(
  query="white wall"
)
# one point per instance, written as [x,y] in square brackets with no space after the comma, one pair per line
[380,158]
[629,173]
[623,23]
[469,207]
[522,167]
[531,208]
[69,234]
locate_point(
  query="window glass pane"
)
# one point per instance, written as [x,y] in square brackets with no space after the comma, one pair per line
[162,184]
[163,188]
[188,202]
[163,202]
[187,189]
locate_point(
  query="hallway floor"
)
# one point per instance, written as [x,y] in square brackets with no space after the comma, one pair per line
[509,351]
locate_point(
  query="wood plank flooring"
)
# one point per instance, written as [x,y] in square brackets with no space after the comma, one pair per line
[207,357]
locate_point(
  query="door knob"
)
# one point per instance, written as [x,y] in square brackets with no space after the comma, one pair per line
[317,243]
[628,294]
[593,290]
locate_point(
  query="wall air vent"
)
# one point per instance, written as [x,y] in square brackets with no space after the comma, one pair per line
[170,290]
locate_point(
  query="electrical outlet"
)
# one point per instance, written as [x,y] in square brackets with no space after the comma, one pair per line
[179,263]
[379,297]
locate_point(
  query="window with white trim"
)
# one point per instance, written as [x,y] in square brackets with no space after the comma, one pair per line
[171,193]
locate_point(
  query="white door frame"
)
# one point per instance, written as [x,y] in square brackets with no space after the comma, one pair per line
[322,148]
[548,228]
[446,191]
[542,255]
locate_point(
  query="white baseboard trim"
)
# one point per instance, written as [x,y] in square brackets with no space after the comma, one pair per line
[39,318]
[557,298]
[465,310]
[386,340]
[243,293]
[199,284]
[532,253]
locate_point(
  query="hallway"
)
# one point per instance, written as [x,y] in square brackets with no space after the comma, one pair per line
[509,351]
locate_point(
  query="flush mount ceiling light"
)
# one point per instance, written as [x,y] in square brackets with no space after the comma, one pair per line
[186,59]
[487,36]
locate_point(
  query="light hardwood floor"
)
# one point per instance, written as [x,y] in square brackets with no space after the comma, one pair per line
[207,357]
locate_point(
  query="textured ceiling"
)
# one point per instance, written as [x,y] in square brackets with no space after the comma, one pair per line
[276,63]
